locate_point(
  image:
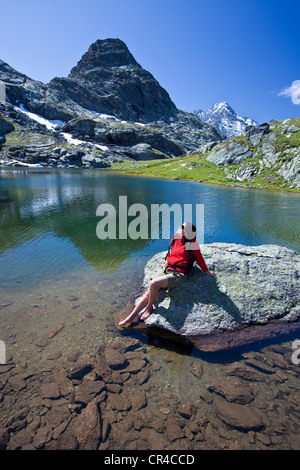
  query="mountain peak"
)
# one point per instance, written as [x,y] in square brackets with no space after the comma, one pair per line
[106,53]
[223,106]
[224,119]
[109,80]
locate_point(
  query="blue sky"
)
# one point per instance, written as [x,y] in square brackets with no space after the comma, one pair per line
[201,52]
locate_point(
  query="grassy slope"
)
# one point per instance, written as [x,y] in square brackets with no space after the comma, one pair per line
[196,167]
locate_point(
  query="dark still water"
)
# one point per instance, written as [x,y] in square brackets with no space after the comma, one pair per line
[54,270]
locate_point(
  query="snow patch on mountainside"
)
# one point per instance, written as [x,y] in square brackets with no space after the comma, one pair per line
[51,125]
[54,126]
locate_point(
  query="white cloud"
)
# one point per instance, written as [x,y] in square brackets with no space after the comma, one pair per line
[293,91]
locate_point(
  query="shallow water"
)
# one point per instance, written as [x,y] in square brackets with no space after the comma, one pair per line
[55,271]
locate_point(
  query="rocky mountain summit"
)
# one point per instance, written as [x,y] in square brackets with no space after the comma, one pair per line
[109,108]
[115,84]
[225,120]
[106,80]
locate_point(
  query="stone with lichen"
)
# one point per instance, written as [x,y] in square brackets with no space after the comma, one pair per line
[253,286]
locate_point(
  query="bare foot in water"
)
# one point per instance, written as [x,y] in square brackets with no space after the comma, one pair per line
[128,321]
[123,323]
[146,313]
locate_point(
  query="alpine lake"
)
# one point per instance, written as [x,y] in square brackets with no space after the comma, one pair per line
[60,286]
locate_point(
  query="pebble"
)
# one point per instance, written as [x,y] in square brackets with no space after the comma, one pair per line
[165,411]
[55,331]
[41,343]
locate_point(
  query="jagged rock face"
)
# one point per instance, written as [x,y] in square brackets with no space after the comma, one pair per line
[255,133]
[104,53]
[232,154]
[109,80]
[265,147]
[9,75]
[112,134]
[106,80]
[5,126]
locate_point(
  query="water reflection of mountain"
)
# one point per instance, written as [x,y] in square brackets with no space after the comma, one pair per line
[64,204]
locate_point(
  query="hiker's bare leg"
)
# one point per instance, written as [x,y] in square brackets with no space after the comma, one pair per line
[154,288]
[139,306]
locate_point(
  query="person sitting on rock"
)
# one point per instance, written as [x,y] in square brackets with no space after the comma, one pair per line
[183,251]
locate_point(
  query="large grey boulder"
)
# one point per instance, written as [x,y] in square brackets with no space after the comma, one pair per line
[267,150]
[145,152]
[254,286]
[232,154]
[255,133]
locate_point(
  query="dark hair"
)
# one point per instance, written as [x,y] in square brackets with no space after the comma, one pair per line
[190,231]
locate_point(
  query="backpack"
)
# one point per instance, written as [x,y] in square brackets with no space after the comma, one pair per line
[189,269]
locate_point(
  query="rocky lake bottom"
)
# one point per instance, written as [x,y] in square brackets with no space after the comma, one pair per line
[72,380]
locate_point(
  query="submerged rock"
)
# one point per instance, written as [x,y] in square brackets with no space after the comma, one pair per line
[238,416]
[254,286]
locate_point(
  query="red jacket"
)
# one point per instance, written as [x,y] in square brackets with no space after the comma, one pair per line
[179,256]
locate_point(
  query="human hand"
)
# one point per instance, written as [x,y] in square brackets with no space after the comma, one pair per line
[211,273]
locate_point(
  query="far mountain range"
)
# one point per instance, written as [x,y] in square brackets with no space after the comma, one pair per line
[225,120]
[110,111]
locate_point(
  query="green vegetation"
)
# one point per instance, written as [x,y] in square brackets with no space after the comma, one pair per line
[21,138]
[197,168]
[192,168]
[253,172]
